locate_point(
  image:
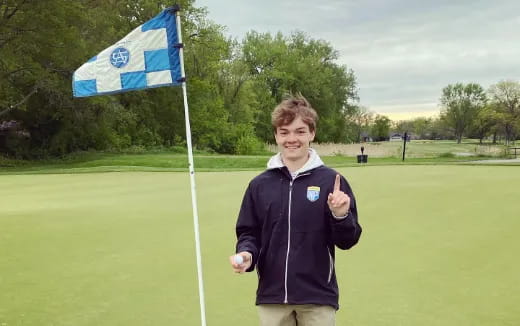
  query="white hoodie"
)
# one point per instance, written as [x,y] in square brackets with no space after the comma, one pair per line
[313,162]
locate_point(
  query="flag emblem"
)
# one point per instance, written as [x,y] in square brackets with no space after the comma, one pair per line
[120,57]
[313,193]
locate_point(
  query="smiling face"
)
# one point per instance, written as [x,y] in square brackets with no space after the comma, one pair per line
[293,141]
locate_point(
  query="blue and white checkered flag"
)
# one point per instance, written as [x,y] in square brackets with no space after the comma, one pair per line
[145,58]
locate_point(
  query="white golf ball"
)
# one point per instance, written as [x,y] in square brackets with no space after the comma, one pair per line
[239,259]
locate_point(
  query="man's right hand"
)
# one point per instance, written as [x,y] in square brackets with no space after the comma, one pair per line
[241,268]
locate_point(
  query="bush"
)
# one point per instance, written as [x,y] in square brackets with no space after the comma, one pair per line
[447,155]
[247,145]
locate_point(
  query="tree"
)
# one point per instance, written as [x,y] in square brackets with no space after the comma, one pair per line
[279,65]
[422,127]
[403,126]
[39,48]
[232,86]
[381,128]
[505,96]
[55,38]
[440,129]
[461,104]
[484,122]
[360,122]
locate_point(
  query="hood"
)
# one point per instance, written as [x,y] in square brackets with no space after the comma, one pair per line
[313,162]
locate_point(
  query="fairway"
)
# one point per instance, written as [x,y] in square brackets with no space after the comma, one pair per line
[439,247]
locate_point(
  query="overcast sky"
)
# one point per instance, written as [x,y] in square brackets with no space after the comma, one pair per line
[403,52]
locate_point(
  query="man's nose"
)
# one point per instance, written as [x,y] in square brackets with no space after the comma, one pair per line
[291,137]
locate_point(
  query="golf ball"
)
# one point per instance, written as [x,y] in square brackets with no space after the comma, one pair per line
[239,259]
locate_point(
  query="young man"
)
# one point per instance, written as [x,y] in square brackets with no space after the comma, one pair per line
[292,217]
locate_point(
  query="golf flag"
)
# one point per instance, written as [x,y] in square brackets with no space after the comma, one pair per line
[147,57]
[150,56]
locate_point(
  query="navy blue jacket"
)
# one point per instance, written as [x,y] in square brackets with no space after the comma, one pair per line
[288,228]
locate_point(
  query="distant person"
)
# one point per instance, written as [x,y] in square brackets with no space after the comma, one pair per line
[292,217]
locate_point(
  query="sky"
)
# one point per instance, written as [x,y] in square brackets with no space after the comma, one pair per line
[402,52]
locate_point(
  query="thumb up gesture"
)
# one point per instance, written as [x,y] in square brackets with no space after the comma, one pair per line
[338,201]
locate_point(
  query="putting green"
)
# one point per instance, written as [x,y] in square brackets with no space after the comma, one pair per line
[439,248]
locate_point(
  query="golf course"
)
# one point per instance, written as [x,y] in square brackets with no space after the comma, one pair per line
[130,132]
[439,247]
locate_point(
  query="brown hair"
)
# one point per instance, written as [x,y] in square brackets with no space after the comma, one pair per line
[290,108]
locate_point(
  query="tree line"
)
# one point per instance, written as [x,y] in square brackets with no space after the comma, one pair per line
[467,110]
[233,85]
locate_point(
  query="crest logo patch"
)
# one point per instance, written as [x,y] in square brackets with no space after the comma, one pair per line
[313,193]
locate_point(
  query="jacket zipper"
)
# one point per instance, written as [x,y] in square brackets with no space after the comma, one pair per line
[288,238]
[289,233]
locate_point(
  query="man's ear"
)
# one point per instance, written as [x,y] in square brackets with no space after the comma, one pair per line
[313,134]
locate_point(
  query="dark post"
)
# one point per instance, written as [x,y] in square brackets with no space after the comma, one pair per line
[404,144]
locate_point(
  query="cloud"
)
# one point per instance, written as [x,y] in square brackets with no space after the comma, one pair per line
[403,52]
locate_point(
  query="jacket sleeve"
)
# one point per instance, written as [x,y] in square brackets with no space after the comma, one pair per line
[346,231]
[248,228]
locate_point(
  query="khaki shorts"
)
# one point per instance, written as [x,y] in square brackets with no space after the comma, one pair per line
[296,315]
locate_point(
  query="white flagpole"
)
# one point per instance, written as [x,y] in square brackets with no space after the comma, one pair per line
[192,178]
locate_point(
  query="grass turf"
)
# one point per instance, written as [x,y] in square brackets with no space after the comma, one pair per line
[168,162]
[439,248]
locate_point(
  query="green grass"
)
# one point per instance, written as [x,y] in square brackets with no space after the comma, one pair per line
[107,162]
[171,162]
[383,153]
[439,247]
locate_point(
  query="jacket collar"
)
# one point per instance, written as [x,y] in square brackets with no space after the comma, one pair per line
[313,162]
